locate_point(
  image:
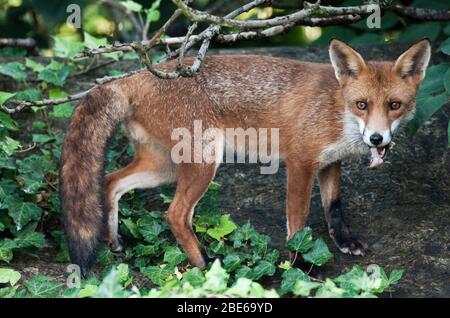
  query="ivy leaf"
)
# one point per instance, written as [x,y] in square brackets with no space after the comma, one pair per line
[426,106]
[395,276]
[132,6]
[30,239]
[225,227]
[290,278]
[9,145]
[216,278]
[55,73]
[15,70]
[319,254]
[63,110]
[303,288]
[445,46]
[41,286]
[67,48]
[93,42]
[9,276]
[4,96]
[6,250]
[194,277]
[34,66]
[150,228]
[32,171]
[232,262]
[264,268]
[132,227]
[22,212]
[302,241]
[158,275]
[31,94]
[7,122]
[174,256]
[447,80]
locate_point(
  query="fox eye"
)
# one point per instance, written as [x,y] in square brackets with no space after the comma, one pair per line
[395,105]
[361,105]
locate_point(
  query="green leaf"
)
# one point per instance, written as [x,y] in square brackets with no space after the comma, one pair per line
[448,133]
[7,122]
[174,256]
[158,275]
[88,290]
[41,286]
[194,277]
[4,96]
[216,278]
[15,70]
[232,261]
[303,288]
[153,15]
[9,276]
[132,6]
[447,80]
[330,290]
[66,48]
[301,242]
[225,227]
[63,110]
[264,268]
[34,66]
[22,212]
[290,278]
[30,239]
[395,276]
[418,31]
[41,138]
[6,250]
[426,107]
[445,46]
[319,254]
[9,145]
[55,73]
[93,42]
[32,171]
[132,227]
[150,228]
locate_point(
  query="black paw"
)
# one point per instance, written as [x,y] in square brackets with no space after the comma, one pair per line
[350,245]
[117,245]
[209,260]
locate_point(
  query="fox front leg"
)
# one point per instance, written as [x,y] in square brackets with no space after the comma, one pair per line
[329,179]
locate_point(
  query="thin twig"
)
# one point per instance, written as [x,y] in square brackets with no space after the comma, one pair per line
[128,13]
[22,43]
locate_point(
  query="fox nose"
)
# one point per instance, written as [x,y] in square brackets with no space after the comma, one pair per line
[376,139]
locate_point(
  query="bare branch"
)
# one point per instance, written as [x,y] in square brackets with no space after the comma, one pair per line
[310,10]
[421,13]
[22,104]
[27,43]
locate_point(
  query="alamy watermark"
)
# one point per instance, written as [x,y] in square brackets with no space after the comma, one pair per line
[198,145]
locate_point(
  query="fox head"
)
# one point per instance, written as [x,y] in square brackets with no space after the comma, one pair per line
[379,95]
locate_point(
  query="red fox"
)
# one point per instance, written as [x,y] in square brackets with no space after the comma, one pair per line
[324,113]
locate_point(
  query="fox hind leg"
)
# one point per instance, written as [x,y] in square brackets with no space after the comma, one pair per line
[193,182]
[147,170]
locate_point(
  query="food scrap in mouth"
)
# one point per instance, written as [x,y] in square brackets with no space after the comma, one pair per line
[377,156]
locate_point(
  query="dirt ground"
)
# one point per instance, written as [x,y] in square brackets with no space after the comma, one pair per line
[402,210]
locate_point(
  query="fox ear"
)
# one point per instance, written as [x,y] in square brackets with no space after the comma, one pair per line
[346,61]
[414,61]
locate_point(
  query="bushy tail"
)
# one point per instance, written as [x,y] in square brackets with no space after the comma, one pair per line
[81,173]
